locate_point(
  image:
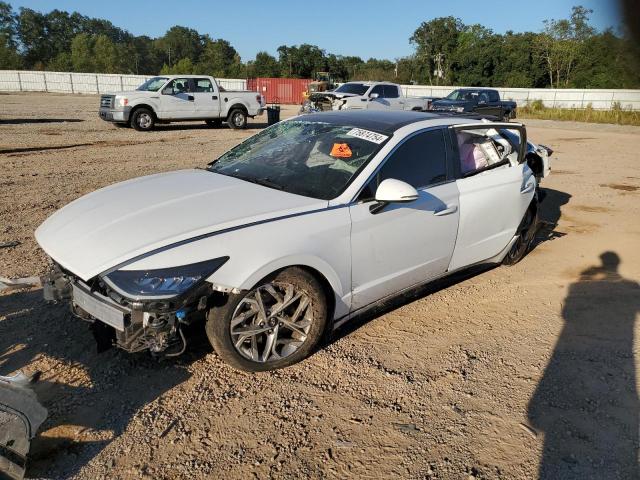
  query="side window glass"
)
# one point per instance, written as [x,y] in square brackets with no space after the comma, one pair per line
[203,85]
[483,97]
[379,89]
[493,96]
[420,161]
[180,85]
[391,91]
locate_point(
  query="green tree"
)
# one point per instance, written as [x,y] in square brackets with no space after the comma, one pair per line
[82,57]
[220,59]
[107,55]
[560,43]
[9,58]
[178,43]
[264,65]
[473,61]
[184,66]
[436,42]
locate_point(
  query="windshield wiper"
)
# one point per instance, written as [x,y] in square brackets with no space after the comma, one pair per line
[264,181]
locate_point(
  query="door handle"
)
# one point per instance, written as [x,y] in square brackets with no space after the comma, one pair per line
[191,98]
[528,188]
[446,211]
[214,97]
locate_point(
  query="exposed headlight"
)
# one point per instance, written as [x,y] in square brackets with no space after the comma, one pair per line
[164,282]
[122,101]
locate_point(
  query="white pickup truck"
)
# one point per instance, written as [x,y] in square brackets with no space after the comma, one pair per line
[364,95]
[175,98]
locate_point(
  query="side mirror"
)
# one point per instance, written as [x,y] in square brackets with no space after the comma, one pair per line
[393,191]
[167,91]
[373,96]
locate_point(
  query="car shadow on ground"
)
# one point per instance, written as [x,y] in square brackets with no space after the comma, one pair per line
[20,121]
[586,403]
[549,215]
[91,397]
[203,126]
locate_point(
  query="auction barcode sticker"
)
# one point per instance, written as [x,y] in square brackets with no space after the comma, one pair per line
[367,135]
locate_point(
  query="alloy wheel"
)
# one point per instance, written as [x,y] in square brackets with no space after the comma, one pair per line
[271,322]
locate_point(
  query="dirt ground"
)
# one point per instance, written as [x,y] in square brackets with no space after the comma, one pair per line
[516,373]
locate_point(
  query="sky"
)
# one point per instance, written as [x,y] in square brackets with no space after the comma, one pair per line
[366,28]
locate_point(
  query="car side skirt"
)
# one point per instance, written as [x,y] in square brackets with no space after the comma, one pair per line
[497,259]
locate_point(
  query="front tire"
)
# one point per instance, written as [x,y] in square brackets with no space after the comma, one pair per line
[526,233]
[276,324]
[143,120]
[237,119]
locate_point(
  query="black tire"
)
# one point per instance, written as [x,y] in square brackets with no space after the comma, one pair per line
[506,117]
[219,327]
[214,122]
[143,120]
[237,119]
[526,233]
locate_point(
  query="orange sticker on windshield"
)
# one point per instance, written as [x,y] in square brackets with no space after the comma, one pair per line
[341,150]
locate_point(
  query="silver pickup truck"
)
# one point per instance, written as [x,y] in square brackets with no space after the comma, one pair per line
[175,98]
[364,96]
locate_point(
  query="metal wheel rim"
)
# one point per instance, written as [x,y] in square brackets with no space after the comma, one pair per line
[271,322]
[238,119]
[144,120]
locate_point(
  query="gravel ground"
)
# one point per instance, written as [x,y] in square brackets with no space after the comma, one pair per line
[516,373]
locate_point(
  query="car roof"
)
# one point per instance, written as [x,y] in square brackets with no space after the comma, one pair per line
[386,121]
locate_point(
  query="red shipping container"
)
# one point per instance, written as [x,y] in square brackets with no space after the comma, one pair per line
[280,90]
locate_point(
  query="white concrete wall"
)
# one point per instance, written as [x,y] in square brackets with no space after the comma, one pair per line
[64,82]
[32,81]
[551,97]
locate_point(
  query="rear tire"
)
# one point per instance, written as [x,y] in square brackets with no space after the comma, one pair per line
[526,233]
[245,335]
[237,119]
[506,117]
[143,120]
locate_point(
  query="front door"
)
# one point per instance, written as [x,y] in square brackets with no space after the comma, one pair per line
[177,100]
[405,244]
[495,186]
[206,98]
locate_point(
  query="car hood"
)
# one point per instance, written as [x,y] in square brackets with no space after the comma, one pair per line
[118,223]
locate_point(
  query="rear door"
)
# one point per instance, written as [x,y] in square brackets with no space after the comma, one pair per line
[496,186]
[177,100]
[405,244]
[207,100]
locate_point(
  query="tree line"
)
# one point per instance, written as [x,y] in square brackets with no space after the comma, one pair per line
[565,53]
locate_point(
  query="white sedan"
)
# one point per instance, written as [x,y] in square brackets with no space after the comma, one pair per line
[294,231]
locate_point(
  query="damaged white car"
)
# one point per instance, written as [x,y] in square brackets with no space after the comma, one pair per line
[294,231]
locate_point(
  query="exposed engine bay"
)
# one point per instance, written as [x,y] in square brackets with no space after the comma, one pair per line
[134,326]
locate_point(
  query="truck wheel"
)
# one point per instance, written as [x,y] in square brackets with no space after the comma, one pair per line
[506,117]
[237,119]
[276,324]
[214,122]
[143,120]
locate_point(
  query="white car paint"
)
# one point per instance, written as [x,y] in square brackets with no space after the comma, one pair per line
[367,102]
[189,216]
